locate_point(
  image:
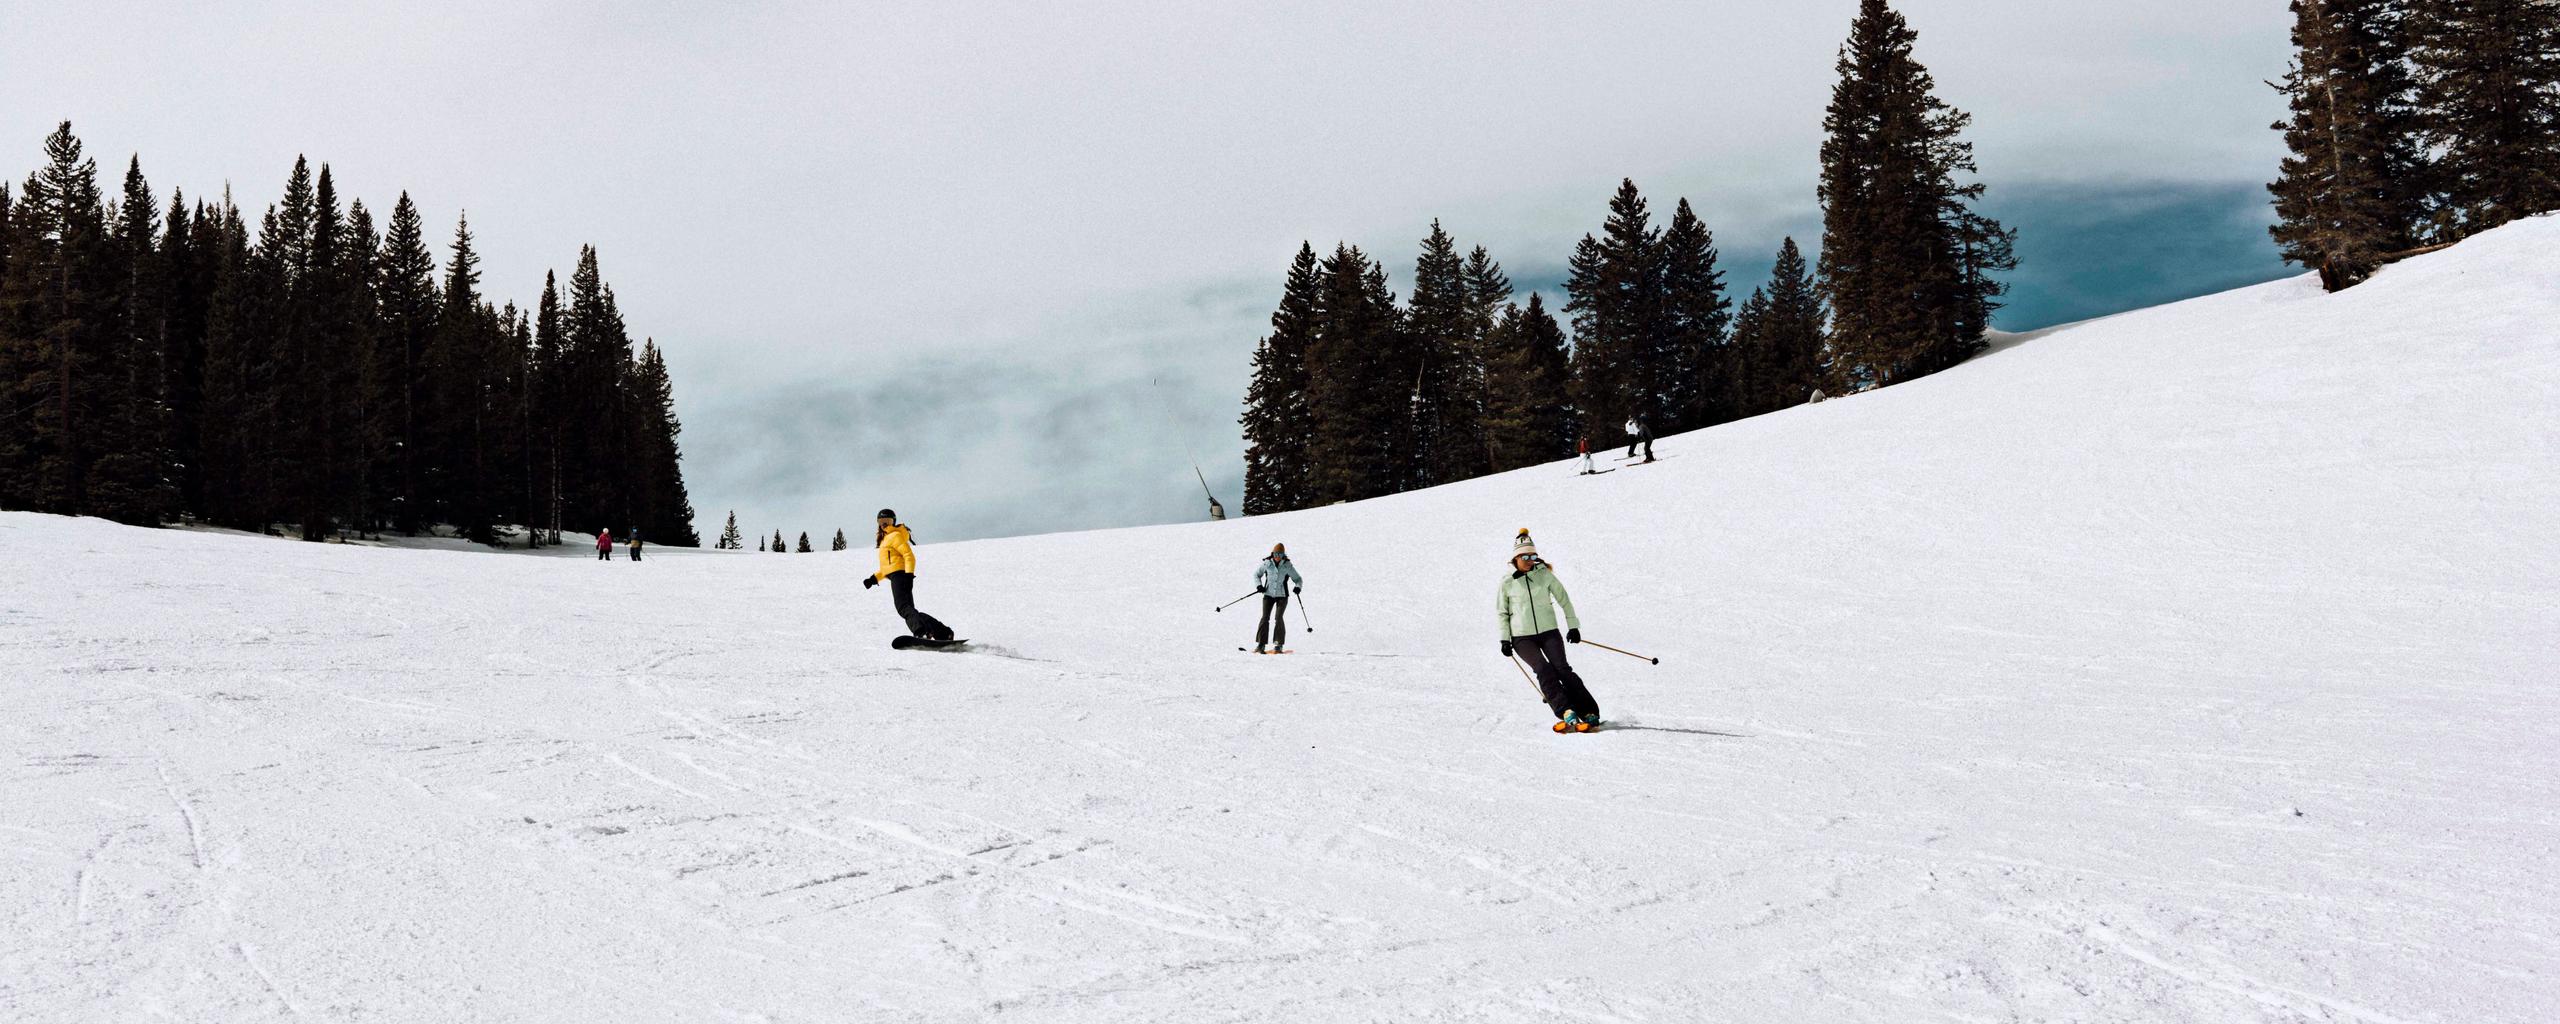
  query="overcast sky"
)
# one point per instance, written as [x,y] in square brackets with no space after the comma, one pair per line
[1002,265]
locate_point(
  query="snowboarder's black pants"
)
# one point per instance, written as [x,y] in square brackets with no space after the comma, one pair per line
[1557,683]
[604,554]
[1273,626]
[902,592]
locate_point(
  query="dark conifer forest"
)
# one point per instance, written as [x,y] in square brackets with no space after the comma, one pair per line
[321,372]
[1354,395]
[2414,123]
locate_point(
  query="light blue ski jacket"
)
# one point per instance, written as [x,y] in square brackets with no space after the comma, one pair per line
[1276,575]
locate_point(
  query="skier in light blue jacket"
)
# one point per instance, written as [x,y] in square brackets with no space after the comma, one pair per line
[1277,580]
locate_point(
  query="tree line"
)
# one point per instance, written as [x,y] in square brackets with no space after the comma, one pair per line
[311,373]
[2413,124]
[1354,396]
[731,540]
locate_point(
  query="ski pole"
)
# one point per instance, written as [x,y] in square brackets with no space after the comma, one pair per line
[1630,654]
[1257,592]
[1302,612]
[1524,674]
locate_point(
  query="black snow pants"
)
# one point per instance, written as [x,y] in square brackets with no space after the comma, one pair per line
[1557,682]
[902,591]
[604,554]
[1273,626]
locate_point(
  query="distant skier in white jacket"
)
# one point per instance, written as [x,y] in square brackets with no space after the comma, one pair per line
[1638,435]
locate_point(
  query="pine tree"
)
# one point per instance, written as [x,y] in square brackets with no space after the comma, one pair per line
[657,457]
[1489,294]
[1441,325]
[1528,410]
[1359,382]
[132,481]
[760,542]
[240,315]
[364,407]
[409,303]
[458,367]
[840,545]
[549,395]
[777,541]
[804,543]
[2488,102]
[1903,282]
[1788,339]
[1697,387]
[57,324]
[187,291]
[729,539]
[1623,360]
[1278,421]
[2342,195]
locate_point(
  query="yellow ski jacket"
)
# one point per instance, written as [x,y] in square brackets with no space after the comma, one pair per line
[897,554]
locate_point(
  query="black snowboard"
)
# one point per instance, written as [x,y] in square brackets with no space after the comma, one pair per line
[919,643]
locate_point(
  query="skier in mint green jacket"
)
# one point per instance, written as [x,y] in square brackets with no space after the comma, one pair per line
[1526,606]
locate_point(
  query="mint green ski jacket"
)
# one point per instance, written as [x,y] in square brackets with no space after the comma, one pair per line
[1523,606]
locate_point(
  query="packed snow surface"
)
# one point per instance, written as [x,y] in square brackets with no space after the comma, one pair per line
[2196,664]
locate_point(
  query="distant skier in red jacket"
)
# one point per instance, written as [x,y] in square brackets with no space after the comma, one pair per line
[604,545]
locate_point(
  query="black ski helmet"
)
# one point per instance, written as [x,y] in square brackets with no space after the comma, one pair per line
[888,515]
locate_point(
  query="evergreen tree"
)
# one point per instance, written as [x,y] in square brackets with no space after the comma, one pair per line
[777,542]
[840,545]
[1278,420]
[408,303]
[667,509]
[550,394]
[1528,410]
[365,389]
[1489,294]
[2344,194]
[1359,382]
[804,543]
[240,315]
[729,539]
[457,474]
[186,295]
[1782,344]
[57,325]
[760,542]
[1908,294]
[1440,325]
[132,480]
[1623,360]
[1697,387]
[2488,102]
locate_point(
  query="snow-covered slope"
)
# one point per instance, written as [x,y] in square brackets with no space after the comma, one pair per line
[2196,664]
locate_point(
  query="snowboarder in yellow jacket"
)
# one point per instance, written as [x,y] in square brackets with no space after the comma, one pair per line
[898,566]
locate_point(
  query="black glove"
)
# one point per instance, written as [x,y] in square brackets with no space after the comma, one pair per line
[1506,648]
[1297,590]
[1573,636]
[869,582]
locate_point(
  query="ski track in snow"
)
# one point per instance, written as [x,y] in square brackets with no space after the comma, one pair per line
[2190,665]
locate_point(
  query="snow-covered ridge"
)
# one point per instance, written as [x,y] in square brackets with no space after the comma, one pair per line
[2193,664]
